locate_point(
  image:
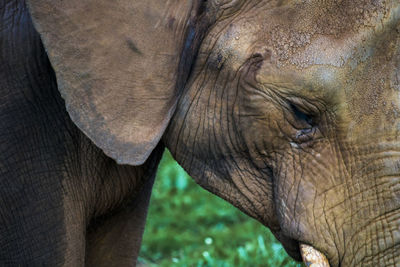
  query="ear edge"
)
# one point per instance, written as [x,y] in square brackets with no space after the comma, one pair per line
[124,153]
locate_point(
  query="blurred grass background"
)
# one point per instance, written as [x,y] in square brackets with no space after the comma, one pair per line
[188,226]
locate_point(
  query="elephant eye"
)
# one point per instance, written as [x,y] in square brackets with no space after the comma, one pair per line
[301,116]
[305,124]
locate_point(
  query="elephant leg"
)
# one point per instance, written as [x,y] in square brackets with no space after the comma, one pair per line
[115,239]
[39,226]
[40,223]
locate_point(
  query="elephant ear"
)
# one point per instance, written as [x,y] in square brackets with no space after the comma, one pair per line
[116,64]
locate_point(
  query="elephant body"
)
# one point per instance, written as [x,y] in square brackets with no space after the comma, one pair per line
[288,109]
[64,201]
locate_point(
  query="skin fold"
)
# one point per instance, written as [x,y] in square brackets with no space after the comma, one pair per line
[287,109]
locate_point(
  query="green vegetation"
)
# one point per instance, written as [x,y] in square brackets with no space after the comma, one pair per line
[188,226]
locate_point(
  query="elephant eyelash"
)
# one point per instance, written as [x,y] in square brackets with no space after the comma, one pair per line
[202,7]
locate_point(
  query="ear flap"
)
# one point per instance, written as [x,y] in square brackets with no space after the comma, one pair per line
[117,65]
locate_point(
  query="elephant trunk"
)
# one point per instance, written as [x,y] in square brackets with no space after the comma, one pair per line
[312,257]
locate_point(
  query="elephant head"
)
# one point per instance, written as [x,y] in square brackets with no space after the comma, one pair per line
[287,109]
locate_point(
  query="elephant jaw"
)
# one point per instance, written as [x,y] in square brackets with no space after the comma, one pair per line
[312,257]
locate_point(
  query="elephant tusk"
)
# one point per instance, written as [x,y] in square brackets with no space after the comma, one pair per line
[312,257]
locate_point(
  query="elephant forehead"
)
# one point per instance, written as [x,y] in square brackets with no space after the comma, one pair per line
[324,46]
[324,32]
[301,33]
[308,40]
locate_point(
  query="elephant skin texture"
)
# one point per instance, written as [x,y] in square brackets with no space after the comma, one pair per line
[288,109]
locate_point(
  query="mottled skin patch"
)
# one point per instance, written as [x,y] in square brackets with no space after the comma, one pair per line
[132,46]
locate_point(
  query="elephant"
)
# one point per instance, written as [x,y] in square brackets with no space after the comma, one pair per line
[287,109]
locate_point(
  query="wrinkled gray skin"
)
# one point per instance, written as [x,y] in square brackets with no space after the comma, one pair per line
[287,109]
